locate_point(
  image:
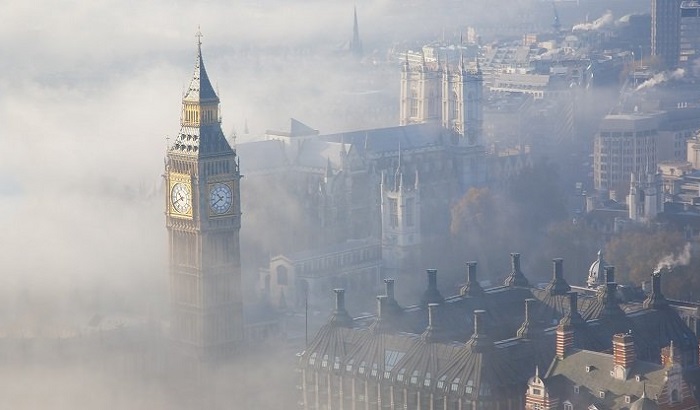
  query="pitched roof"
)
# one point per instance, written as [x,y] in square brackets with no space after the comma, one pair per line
[201,141]
[200,89]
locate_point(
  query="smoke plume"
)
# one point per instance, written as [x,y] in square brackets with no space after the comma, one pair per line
[671,261]
[662,77]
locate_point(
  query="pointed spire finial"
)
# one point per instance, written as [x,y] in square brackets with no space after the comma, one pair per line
[199,36]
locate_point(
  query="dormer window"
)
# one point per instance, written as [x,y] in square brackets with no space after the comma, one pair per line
[628,399]
[601,394]
[638,378]
[576,389]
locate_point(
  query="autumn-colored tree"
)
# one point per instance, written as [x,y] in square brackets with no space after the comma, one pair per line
[576,243]
[636,253]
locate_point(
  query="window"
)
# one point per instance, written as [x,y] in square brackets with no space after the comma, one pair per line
[393,213]
[282,276]
[568,406]
[601,394]
[576,389]
[409,211]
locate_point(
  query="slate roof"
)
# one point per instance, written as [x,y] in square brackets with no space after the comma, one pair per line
[572,370]
[200,89]
[385,140]
[447,352]
[201,141]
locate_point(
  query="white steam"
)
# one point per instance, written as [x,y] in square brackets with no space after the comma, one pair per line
[662,77]
[600,23]
[671,261]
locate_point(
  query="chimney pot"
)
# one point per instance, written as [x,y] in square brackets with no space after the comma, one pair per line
[609,274]
[432,278]
[339,299]
[389,288]
[471,272]
[558,268]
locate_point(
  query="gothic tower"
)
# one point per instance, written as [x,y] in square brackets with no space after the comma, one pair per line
[451,96]
[462,108]
[420,93]
[401,233]
[203,219]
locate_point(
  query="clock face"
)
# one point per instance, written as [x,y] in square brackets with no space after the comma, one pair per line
[221,198]
[181,198]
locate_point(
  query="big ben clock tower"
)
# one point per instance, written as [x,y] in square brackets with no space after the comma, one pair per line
[203,218]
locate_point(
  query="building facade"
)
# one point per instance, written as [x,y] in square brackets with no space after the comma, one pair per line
[665,31]
[440,94]
[689,33]
[479,348]
[203,218]
[625,144]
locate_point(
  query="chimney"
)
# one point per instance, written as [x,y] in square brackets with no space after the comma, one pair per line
[529,329]
[480,341]
[564,340]
[392,307]
[381,323]
[572,316]
[609,274]
[432,294]
[389,284]
[558,285]
[431,333]
[516,277]
[472,288]
[656,299]
[340,316]
[623,355]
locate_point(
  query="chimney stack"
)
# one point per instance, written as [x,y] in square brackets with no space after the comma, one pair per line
[392,307]
[381,323]
[564,340]
[480,340]
[431,332]
[572,316]
[472,288]
[340,316]
[558,285]
[516,277]
[529,329]
[389,284]
[623,355]
[609,274]
[432,294]
[656,299]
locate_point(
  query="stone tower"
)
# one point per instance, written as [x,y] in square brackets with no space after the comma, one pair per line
[203,219]
[401,233]
[438,93]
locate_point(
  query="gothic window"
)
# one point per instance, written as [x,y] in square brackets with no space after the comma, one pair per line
[414,103]
[282,276]
[455,106]
[393,213]
[410,211]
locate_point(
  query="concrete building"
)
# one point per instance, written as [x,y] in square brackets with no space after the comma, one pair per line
[665,31]
[689,33]
[625,144]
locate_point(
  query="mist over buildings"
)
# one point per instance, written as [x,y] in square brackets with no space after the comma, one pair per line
[90,96]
